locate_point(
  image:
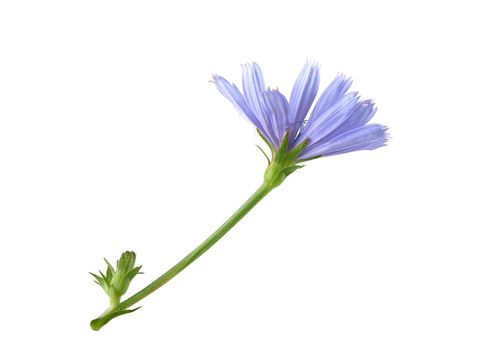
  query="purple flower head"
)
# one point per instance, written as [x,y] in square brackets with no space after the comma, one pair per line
[337,124]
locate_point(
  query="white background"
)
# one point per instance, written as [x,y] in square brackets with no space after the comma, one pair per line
[112,138]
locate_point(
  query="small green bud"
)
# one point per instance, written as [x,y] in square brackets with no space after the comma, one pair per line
[115,282]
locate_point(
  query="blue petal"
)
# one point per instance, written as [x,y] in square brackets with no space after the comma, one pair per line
[331,119]
[276,109]
[333,93]
[231,92]
[359,116]
[366,137]
[253,82]
[302,97]
[253,88]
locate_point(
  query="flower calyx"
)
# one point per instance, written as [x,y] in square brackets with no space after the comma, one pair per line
[284,162]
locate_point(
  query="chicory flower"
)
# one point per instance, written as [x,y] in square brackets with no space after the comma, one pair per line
[337,124]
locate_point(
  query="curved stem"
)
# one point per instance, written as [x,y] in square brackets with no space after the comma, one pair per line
[261,192]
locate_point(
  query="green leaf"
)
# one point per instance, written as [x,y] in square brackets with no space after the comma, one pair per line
[96,324]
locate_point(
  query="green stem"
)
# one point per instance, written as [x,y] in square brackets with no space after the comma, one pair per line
[201,249]
[191,257]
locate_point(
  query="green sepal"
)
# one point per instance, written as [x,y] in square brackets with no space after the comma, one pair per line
[104,277]
[100,281]
[131,274]
[110,271]
[291,169]
[282,150]
[307,159]
[261,149]
[284,162]
[96,324]
[272,149]
[294,152]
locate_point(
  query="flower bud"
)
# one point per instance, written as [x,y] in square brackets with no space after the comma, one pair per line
[115,282]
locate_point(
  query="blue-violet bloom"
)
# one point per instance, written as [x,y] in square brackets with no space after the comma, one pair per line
[337,124]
